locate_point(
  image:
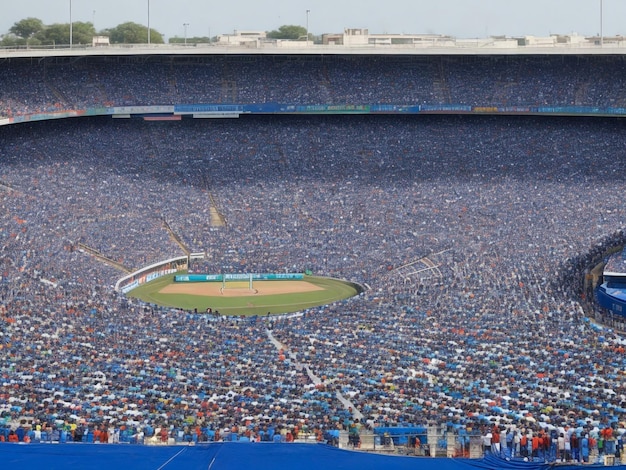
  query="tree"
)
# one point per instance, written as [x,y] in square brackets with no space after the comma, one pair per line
[132,33]
[292,32]
[27,28]
[32,31]
[11,40]
[59,33]
[83,33]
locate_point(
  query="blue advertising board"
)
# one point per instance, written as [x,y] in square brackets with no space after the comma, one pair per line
[238,277]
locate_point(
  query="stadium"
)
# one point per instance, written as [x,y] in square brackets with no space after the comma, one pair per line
[466,195]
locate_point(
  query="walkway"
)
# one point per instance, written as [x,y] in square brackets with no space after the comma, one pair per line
[348,405]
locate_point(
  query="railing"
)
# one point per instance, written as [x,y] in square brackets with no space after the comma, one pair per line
[430,443]
[434,443]
[462,47]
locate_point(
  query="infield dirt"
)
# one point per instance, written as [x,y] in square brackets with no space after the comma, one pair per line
[239,289]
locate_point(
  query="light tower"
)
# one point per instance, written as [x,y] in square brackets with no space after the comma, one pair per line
[71,35]
[601,25]
[307,26]
[148,21]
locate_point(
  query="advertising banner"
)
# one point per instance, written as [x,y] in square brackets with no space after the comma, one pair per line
[237,277]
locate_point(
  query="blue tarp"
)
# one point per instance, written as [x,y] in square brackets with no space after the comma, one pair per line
[235,456]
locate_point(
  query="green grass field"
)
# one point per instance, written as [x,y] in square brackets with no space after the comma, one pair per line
[332,290]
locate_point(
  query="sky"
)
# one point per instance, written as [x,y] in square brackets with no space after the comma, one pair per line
[459,18]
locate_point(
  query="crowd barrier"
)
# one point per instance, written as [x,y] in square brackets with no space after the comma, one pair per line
[419,442]
[434,443]
[157,436]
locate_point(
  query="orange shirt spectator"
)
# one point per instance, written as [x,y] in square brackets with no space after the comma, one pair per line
[536,442]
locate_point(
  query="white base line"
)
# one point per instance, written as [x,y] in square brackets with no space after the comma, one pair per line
[172,458]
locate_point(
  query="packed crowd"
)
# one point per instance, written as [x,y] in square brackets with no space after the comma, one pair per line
[60,84]
[509,212]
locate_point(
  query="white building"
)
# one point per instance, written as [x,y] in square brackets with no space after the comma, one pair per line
[242,38]
[100,41]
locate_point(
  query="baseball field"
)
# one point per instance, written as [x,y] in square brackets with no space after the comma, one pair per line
[236,297]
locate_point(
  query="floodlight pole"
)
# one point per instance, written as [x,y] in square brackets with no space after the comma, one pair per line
[307,26]
[601,25]
[148,21]
[185,26]
[71,31]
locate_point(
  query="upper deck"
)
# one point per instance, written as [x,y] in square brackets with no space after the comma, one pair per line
[616,265]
